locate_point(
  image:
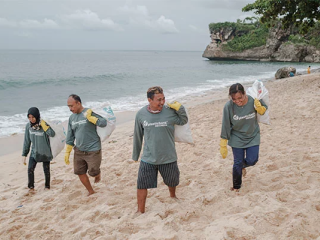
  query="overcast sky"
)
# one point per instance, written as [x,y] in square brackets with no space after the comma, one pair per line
[180,25]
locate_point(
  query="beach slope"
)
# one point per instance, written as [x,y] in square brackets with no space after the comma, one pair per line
[280,197]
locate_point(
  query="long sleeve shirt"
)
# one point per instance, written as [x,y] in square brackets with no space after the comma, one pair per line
[239,124]
[40,148]
[158,133]
[84,132]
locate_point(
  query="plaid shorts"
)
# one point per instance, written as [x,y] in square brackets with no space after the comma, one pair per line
[148,175]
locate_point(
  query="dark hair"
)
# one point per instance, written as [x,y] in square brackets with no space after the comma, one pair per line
[154,90]
[235,88]
[75,97]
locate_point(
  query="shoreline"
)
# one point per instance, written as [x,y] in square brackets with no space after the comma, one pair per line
[13,144]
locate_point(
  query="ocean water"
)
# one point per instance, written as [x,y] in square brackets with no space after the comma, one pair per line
[120,79]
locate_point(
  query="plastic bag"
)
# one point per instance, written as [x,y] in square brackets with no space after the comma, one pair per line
[259,91]
[183,133]
[107,113]
[57,142]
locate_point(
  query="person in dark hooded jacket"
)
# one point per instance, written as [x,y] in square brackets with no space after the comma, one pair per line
[37,132]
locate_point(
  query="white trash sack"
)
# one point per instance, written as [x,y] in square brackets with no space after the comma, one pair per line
[57,142]
[259,91]
[107,113]
[183,133]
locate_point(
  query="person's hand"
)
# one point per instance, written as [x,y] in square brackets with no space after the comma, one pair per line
[259,108]
[90,118]
[67,154]
[223,148]
[24,160]
[175,105]
[44,125]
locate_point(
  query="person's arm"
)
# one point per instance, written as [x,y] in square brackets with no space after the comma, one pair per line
[69,143]
[102,122]
[182,118]
[70,135]
[226,124]
[95,118]
[26,142]
[225,132]
[137,139]
[47,129]
[260,106]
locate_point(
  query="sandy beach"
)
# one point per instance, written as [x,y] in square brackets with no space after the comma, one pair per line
[279,199]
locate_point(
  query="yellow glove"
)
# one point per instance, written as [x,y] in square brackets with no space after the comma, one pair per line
[24,160]
[223,148]
[67,154]
[259,108]
[44,125]
[175,105]
[90,118]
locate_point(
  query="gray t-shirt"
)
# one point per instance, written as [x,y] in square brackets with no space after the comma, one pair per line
[158,132]
[40,149]
[84,132]
[239,124]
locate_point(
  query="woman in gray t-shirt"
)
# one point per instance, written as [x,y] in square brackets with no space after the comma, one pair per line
[240,130]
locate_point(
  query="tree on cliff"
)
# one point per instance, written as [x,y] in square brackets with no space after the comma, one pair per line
[301,13]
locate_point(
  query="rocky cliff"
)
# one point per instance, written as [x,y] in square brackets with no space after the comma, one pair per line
[277,48]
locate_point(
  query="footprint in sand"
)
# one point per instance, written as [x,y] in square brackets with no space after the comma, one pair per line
[56,181]
[74,195]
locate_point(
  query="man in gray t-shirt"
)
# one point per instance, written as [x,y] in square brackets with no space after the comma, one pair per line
[155,123]
[87,150]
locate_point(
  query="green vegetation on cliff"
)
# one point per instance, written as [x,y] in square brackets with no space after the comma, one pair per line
[246,35]
[310,38]
[255,34]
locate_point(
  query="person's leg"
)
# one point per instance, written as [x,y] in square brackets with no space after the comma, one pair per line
[46,170]
[80,169]
[170,174]
[252,156]
[147,178]
[31,166]
[93,160]
[86,182]
[141,199]
[238,158]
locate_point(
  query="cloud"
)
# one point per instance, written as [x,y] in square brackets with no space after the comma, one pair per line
[139,15]
[166,25]
[88,20]
[34,24]
[223,4]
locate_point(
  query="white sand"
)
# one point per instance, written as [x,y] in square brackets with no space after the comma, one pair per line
[280,197]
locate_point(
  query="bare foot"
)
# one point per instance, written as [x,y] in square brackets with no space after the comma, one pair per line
[233,189]
[90,193]
[244,172]
[97,178]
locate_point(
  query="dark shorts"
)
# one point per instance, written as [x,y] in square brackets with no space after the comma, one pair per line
[84,162]
[148,175]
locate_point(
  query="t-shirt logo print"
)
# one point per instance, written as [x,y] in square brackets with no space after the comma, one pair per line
[155,124]
[235,117]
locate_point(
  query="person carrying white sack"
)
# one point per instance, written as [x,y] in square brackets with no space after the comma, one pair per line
[37,133]
[155,123]
[87,150]
[240,130]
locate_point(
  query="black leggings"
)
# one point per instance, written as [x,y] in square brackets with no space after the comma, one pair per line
[46,169]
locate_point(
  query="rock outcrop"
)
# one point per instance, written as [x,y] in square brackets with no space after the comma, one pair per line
[284,72]
[277,48]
